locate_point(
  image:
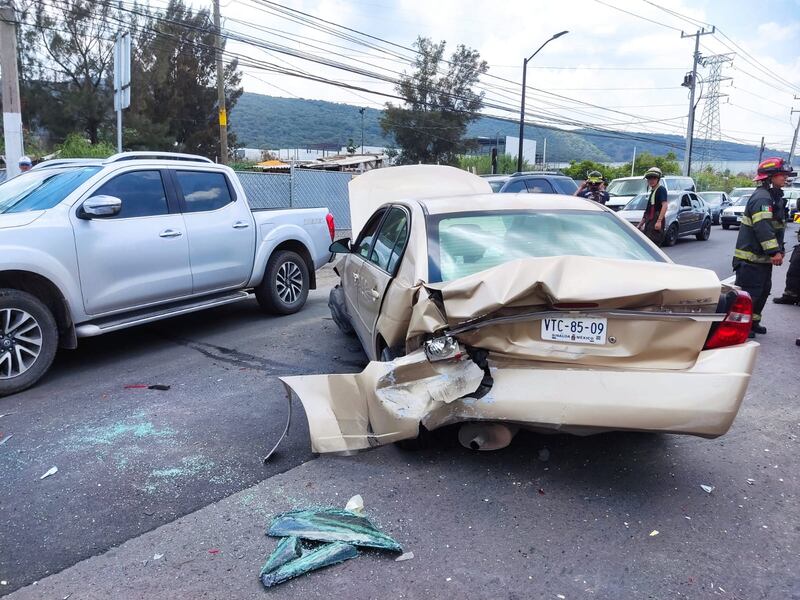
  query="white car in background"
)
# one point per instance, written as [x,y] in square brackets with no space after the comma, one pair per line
[732,216]
[622,190]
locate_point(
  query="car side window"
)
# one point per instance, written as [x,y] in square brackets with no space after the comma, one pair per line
[393,233]
[685,202]
[540,186]
[364,243]
[142,194]
[203,190]
[515,186]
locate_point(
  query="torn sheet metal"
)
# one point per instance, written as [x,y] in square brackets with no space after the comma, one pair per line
[332,525]
[324,556]
[382,404]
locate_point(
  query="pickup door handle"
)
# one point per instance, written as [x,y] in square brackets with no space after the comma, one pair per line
[241,225]
[170,233]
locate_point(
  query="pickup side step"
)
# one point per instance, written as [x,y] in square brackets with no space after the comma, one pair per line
[156,313]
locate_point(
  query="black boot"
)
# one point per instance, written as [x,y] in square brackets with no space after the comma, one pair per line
[787,299]
[758,328]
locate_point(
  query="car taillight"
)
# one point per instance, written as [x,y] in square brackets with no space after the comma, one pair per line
[331,225]
[735,327]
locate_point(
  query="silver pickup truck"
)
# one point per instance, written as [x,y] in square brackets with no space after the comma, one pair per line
[93,246]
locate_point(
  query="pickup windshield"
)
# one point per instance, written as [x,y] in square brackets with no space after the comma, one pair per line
[460,244]
[40,190]
[627,187]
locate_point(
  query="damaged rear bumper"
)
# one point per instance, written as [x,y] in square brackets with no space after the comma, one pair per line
[387,402]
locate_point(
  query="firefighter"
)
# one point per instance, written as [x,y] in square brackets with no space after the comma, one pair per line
[593,188]
[791,293]
[760,242]
[652,223]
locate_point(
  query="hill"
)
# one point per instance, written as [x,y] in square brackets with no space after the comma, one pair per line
[270,122]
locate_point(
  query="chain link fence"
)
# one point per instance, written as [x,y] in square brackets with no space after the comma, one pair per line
[300,189]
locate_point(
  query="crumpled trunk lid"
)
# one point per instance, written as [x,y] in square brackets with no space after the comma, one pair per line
[657,315]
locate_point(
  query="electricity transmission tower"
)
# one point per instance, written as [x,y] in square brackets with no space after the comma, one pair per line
[709,130]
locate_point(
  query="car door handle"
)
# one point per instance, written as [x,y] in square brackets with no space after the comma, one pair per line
[355,277]
[170,233]
[241,225]
[374,293]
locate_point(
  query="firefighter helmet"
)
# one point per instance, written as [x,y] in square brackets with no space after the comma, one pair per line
[594,177]
[653,172]
[773,166]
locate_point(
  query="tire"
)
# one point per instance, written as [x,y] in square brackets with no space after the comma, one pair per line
[725,226]
[28,325]
[337,308]
[671,235]
[705,231]
[284,289]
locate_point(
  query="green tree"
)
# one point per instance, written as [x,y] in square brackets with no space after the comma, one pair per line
[440,103]
[77,146]
[668,164]
[351,146]
[483,164]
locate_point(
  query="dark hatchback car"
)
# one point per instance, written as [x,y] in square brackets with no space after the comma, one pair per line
[717,201]
[533,182]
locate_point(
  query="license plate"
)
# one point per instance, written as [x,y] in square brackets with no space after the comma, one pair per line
[580,331]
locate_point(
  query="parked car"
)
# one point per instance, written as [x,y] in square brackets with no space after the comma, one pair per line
[732,215]
[622,190]
[687,214]
[535,182]
[537,311]
[792,198]
[716,201]
[95,246]
[736,193]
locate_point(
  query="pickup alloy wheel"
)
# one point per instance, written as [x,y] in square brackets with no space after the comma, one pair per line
[28,340]
[284,288]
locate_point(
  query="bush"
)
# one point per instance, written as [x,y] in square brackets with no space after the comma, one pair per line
[76,146]
[483,164]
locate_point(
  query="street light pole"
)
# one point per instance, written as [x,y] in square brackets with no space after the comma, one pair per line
[522,104]
[361,110]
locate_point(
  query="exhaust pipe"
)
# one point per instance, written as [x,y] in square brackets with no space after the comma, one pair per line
[486,436]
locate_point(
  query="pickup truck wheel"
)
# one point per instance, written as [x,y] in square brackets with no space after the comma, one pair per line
[28,340]
[284,288]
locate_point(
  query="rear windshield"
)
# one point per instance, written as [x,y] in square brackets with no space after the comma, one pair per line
[739,191]
[627,187]
[460,244]
[40,190]
[712,198]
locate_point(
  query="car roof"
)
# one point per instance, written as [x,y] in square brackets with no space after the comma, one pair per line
[495,202]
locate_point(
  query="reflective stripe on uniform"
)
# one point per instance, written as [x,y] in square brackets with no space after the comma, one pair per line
[745,221]
[760,216]
[770,244]
[751,256]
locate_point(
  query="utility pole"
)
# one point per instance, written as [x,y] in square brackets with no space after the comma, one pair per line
[12,113]
[690,81]
[761,150]
[223,113]
[633,162]
[796,130]
[361,110]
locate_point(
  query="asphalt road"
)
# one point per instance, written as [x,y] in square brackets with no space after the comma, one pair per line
[131,459]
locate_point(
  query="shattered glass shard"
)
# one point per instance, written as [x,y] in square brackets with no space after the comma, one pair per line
[332,525]
[287,550]
[324,556]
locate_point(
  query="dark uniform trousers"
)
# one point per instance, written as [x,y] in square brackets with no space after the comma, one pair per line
[756,280]
[793,274]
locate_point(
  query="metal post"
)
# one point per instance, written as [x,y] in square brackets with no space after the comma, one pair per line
[687,160]
[12,113]
[794,139]
[761,150]
[223,113]
[544,155]
[633,162]
[522,115]
[361,110]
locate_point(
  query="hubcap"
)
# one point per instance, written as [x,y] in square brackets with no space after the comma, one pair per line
[289,282]
[20,342]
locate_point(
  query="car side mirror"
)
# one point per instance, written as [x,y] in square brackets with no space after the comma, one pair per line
[98,207]
[340,246]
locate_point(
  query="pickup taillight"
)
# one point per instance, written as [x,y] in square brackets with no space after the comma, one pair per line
[331,225]
[735,327]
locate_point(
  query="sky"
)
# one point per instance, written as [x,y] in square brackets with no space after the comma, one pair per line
[631,65]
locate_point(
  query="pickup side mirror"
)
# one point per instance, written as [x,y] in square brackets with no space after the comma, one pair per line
[99,207]
[340,246]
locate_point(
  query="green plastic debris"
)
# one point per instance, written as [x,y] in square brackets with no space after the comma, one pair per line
[287,550]
[324,556]
[332,525]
